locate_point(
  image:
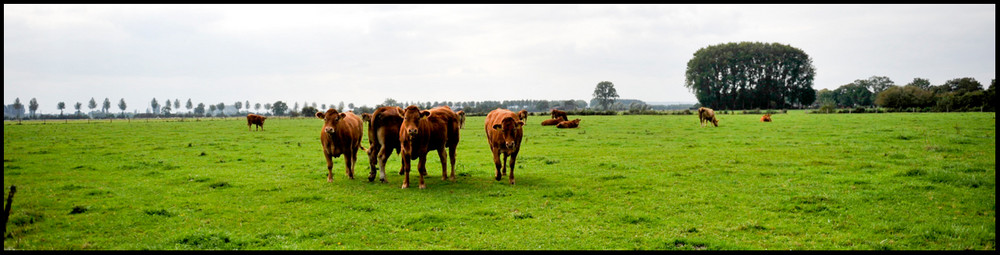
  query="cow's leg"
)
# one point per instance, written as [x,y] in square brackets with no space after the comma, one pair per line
[451,157]
[504,162]
[329,167]
[513,160]
[349,162]
[444,164]
[373,154]
[383,156]
[248,127]
[496,161]
[422,168]
[405,169]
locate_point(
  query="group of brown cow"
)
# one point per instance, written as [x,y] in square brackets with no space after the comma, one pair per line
[560,119]
[412,133]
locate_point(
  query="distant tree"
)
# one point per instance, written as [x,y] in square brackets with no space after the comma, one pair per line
[309,111]
[166,108]
[296,105]
[960,85]
[267,107]
[17,107]
[106,105]
[78,105]
[92,104]
[826,97]
[33,106]
[605,94]
[121,105]
[389,102]
[256,107]
[247,105]
[340,106]
[853,95]
[904,97]
[991,96]
[351,105]
[750,75]
[222,108]
[238,106]
[177,104]
[211,109]
[200,110]
[189,105]
[920,83]
[61,106]
[279,107]
[323,106]
[155,105]
[542,105]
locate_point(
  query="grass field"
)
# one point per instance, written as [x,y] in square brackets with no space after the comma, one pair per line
[803,182]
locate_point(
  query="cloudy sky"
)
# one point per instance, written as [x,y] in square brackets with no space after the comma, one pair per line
[364,54]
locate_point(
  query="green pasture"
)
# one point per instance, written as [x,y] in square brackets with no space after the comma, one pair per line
[898,181]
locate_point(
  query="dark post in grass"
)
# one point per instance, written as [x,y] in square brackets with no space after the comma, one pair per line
[6,209]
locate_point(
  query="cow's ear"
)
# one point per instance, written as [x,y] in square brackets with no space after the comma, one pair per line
[497,126]
[320,115]
[341,116]
[425,113]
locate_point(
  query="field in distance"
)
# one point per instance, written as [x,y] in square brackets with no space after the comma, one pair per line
[804,182]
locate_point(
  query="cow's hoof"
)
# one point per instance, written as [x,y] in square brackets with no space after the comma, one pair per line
[404,186]
[371,178]
[383,181]
[497,177]
[423,186]
[329,179]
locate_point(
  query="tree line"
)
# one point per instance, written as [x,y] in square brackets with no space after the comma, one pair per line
[959,94]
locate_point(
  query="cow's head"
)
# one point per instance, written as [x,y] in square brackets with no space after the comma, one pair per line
[330,119]
[411,116]
[366,117]
[509,128]
[715,121]
[523,114]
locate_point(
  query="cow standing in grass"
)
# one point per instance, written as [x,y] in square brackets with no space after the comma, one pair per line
[461,119]
[707,115]
[557,113]
[504,132]
[341,134]
[424,131]
[383,138]
[523,115]
[254,119]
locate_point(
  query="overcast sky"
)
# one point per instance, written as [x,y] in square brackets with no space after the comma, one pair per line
[364,54]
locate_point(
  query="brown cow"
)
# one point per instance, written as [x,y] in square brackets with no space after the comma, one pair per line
[569,124]
[461,119]
[383,138]
[504,132]
[707,115]
[550,122]
[424,131]
[523,115]
[254,119]
[341,134]
[765,118]
[557,113]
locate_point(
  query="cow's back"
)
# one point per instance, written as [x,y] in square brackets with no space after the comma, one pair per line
[452,123]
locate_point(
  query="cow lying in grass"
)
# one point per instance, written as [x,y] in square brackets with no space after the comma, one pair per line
[766,118]
[569,124]
[550,122]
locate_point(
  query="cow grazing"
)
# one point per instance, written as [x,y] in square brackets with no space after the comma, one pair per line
[523,115]
[569,124]
[424,131]
[550,122]
[254,119]
[707,115]
[461,119]
[383,138]
[341,134]
[504,132]
[765,118]
[557,113]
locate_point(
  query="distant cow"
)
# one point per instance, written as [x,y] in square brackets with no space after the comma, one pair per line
[461,119]
[557,113]
[550,122]
[383,138]
[254,119]
[569,124]
[523,114]
[504,132]
[366,117]
[707,115]
[341,134]
[766,118]
[424,131]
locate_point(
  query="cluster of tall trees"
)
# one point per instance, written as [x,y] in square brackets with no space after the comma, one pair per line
[749,75]
[960,94]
